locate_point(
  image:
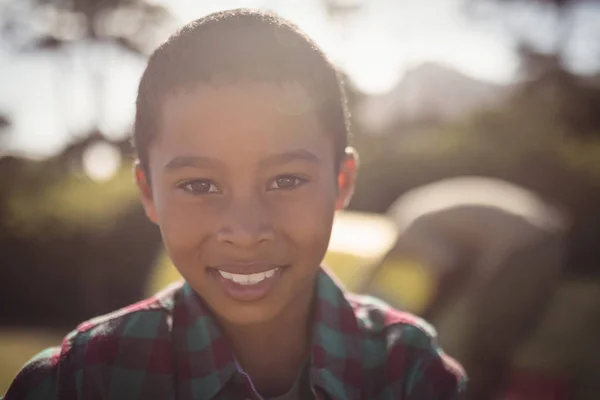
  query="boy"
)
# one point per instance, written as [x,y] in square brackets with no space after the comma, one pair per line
[241,133]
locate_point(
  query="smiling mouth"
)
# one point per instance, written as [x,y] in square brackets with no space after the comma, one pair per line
[246,273]
[248,279]
[247,282]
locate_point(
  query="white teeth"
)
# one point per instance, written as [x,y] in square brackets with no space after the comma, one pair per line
[226,275]
[248,279]
[241,279]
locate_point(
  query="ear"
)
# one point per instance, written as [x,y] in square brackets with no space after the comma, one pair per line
[141,179]
[347,178]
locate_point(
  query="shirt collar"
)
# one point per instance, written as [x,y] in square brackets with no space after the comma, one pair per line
[204,359]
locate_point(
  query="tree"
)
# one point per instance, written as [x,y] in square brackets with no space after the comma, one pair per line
[546,76]
[84,30]
[52,24]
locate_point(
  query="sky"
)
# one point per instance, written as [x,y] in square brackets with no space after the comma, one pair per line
[389,36]
[50,98]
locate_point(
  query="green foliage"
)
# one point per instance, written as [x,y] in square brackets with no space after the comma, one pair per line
[581,156]
[72,202]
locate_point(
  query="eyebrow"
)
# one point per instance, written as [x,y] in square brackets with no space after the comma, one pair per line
[290,156]
[186,161]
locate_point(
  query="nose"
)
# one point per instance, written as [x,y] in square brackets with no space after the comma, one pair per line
[246,224]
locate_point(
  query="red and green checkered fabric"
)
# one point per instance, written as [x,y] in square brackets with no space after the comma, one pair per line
[170,347]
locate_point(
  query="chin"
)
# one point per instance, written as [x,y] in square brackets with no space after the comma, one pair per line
[246,314]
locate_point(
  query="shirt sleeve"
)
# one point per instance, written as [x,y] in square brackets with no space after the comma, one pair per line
[46,376]
[38,378]
[429,373]
[437,377]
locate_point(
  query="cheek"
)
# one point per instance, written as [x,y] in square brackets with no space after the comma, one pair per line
[307,220]
[184,223]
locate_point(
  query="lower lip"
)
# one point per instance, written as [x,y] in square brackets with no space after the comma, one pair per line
[248,293]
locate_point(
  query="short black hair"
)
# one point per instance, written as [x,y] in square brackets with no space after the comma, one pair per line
[240,45]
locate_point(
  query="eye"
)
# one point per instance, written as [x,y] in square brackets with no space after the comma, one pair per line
[286,182]
[200,186]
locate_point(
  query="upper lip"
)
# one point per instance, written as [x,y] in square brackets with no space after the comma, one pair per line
[244,268]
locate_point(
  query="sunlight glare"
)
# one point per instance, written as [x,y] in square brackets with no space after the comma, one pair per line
[101,161]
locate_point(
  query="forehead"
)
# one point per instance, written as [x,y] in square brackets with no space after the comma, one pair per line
[243,119]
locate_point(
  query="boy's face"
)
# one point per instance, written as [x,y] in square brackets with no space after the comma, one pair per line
[244,189]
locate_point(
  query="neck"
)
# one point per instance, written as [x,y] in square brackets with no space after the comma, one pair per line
[273,353]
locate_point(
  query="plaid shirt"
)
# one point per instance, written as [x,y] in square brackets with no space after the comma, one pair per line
[170,347]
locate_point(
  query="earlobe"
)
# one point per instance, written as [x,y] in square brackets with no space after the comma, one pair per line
[342,181]
[347,178]
[146,197]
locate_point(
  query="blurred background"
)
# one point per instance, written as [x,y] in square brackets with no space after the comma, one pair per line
[437,89]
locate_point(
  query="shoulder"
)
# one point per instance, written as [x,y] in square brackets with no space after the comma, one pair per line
[145,319]
[139,327]
[406,348]
[134,337]
[38,378]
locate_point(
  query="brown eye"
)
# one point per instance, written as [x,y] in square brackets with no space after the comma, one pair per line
[200,186]
[286,182]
